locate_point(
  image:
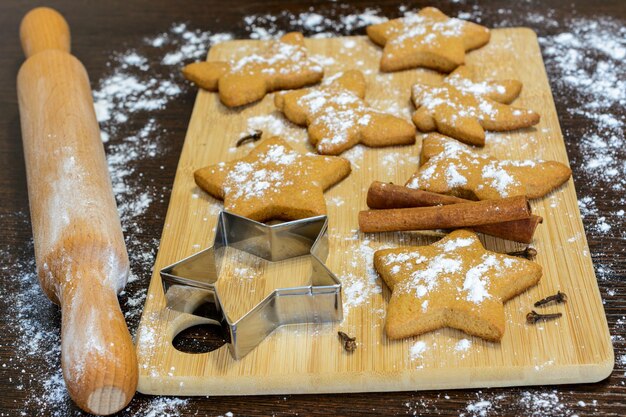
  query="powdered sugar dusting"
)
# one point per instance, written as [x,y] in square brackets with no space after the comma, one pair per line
[457,164]
[427,30]
[340,111]
[450,271]
[284,59]
[268,175]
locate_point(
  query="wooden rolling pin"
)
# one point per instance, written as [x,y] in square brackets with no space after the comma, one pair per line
[81,257]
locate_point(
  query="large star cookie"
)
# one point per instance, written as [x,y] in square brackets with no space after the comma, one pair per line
[427,39]
[273,182]
[337,117]
[449,167]
[250,78]
[462,108]
[454,283]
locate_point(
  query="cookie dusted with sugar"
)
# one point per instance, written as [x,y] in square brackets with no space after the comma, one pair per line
[463,108]
[449,167]
[427,39]
[454,282]
[249,79]
[273,182]
[337,117]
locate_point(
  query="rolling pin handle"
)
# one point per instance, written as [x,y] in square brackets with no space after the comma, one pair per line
[44,28]
[97,352]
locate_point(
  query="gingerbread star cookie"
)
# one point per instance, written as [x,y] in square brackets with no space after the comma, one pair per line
[449,167]
[427,39]
[337,117]
[454,283]
[250,78]
[463,108]
[273,182]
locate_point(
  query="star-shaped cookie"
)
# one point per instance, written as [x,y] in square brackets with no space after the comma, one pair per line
[250,78]
[463,108]
[449,167]
[427,39]
[454,283]
[273,182]
[337,117]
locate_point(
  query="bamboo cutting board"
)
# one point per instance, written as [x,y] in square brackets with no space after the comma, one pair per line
[309,358]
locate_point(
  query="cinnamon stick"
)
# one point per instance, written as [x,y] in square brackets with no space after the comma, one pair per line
[386,196]
[451,216]
[383,195]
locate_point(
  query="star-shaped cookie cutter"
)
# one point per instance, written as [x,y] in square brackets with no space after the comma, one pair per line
[318,302]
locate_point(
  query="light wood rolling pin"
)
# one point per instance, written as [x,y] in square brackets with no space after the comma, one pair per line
[81,257]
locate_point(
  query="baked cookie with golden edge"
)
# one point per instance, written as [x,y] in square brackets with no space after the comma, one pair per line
[337,117]
[273,182]
[449,167]
[427,39]
[249,79]
[463,108]
[454,282]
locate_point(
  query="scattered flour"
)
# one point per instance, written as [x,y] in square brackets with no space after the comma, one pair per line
[479,408]
[417,350]
[358,289]
[463,345]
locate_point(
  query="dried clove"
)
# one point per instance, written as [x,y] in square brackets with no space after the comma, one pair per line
[349,343]
[533,317]
[528,253]
[558,298]
[254,136]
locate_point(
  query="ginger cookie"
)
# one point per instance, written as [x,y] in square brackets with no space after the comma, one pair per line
[449,167]
[249,79]
[337,117]
[427,39]
[454,282]
[273,182]
[463,108]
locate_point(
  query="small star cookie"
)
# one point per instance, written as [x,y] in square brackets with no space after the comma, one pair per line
[462,108]
[449,167]
[273,182]
[454,283]
[337,117]
[250,78]
[427,39]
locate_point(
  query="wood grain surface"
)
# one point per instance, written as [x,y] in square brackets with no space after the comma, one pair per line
[102,28]
[309,358]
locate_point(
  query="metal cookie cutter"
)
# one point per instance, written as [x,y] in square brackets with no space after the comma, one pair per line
[317,303]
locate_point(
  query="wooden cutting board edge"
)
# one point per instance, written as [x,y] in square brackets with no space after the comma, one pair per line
[438,378]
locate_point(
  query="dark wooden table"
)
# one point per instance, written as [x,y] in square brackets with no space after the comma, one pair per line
[101,29]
